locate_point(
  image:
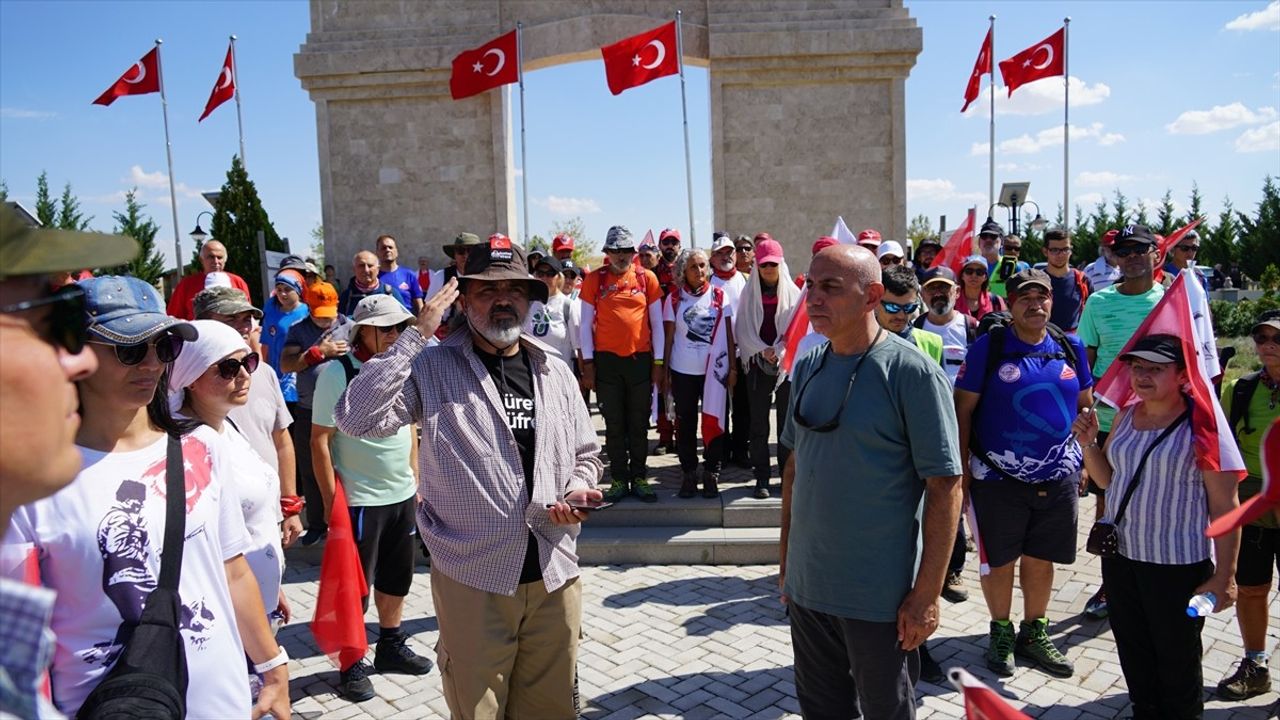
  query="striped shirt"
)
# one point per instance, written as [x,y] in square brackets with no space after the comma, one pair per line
[477,515]
[1166,517]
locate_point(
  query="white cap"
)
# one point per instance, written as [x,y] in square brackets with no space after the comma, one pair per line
[890,247]
[217,279]
[721,242]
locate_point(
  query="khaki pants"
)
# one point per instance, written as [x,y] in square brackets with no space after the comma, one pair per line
[508,657]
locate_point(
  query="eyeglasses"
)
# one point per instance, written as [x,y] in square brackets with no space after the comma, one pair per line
[1188,248]
[1127,250]
[168,347]
[894,308]
[228,369]
[979,272]
[398,327]
[548,272]
[834,422]
[1261,338]
[1058,251]
[66,325]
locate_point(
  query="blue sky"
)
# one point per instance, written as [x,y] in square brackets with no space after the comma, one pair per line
[1163,94]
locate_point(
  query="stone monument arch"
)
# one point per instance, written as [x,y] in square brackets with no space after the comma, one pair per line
[807,112]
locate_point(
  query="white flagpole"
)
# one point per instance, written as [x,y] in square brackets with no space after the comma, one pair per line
[684,107]
[1066,127]
[168,150]
[524,157]
[991,160]
[235,81]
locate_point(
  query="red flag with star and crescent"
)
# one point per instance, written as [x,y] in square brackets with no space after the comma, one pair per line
[494,64]
[1042,60]
[140,79]
[981,66]
[225,88]
[640,58]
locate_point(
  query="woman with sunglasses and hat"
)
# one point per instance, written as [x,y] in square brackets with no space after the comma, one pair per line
[976,298]
[102,535]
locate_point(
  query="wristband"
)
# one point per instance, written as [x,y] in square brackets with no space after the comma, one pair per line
[313,356]
[291,505]
[273,663]
[659,361]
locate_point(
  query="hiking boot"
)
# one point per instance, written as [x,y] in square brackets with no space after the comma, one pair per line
[394,656]
[618,489]
[710,484]
[659,450]
[954,590]
[1033,643]
[1096,606]
[762,492]
[353,683]
[930,670]
[1250,679]
[1000,648]
[643,490]
[688,484]
[312,536]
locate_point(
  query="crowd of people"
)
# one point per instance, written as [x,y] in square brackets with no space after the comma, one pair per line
[451,407]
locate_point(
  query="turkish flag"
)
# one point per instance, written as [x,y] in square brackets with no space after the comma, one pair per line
[958,247]
[1262,503]
[225,88]
[1184,313]
[494,64]
[640,58]
[1167,244]
[799,326]
[980,701]
[1044,59]
[142,78]
[981,66]
[338,625]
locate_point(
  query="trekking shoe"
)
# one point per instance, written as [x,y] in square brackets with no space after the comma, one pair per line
[762,492]
[353,683]
[710,484]
[1250,679]
[1000,648]
[661,448]
[394,656]
[1033,643]
[311,537]
[643,490]
[954,590]
[930,670]
[688,485]
[618,489]
[1096,606]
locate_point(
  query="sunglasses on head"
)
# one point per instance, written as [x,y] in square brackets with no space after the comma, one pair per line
[228,369]
[975,271]
[398,327]
[894,308]
[65,325]
[168,347]
[1125,251]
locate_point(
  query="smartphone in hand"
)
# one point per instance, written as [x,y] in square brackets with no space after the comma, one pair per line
[589,505]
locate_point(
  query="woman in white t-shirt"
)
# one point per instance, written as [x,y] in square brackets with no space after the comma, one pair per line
[98,541]
[693,315]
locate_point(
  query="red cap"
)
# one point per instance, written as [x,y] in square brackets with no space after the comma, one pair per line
[669,232]
[761,237]
[870,236]
[1265,501]
[561,242]
[825,241]
[1110,238]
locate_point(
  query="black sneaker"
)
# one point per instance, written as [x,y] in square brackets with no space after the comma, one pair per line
[312,536]
[393,655]
[954,590]
[1096,606]
[1249,679]
[353,683]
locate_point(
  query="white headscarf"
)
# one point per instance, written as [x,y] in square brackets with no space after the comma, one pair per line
[750,313]
[216,342]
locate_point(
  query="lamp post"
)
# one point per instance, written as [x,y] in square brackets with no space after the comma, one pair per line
[198,235]
[1037,224]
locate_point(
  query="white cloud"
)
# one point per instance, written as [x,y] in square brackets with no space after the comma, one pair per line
[11,113]
[1262,139]
[1220,117]
[1087,200]
[114,198]
[157,181]
[1104,178]
[1049,137]
[1018,167]
[1038,98]
[1266,19]
[569,206]
[939,190]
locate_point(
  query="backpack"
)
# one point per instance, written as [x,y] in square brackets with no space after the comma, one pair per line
[970,327]
[602,274]
[1241,396]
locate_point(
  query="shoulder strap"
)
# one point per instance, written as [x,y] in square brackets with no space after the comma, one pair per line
[918,323]
[348,367]
[1137,473]
[1241,395]
[175,516]
[995,350]
[602,274]
[970,329]
[1068,350]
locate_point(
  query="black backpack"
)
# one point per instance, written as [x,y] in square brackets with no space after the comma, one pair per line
[150,678]
[1241,396]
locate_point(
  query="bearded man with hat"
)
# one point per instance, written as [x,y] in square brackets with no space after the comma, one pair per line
[509,452]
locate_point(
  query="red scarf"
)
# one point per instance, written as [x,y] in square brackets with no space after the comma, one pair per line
[726,274]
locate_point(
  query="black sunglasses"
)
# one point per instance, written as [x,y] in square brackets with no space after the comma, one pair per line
[834,422]
[168,347]
[1262,338]
[1127,250]
[66,326]
[545,272]
[398,327]
[228,369]
[1188,248]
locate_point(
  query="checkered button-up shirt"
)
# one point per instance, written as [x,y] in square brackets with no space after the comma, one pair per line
[477,514]
[26,649]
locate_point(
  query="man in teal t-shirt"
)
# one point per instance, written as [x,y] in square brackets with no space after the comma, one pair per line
[871,426]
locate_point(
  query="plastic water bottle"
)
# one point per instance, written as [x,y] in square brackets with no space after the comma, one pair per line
[1201,605]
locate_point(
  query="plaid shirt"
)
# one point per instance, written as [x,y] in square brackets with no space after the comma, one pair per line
[477,514]
[26,649]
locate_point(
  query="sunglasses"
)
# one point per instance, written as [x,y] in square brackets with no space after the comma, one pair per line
[1188,248]
[66,325]
[979,272]
[894,308]
[889,260]
[1013,249]
[228,369]
[1127,250]
[1261,338]
[398,327]
[669,241]
[744,249]
[769,265]
[834,422]
[623,251]
[548,272]
[168,347]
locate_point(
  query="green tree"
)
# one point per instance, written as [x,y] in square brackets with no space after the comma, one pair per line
[1218,244]
[1166,215]
[46,206]
[237,219]
[4,191]
[70,216]
[1140,215]
[918,229]
[583,248]
[148,265]
[317,245]
[1194,210]
[1084,238]
[1260,235]
[1121,215]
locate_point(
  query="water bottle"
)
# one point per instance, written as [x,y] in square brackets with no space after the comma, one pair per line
[1201,605]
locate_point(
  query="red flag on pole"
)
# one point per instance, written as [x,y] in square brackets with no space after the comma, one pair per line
[1167,244]
[959,247]
[981,66]
[494,64]
[225,88]
[980,701]
[1042,60]
[640,58]
[338,625]
[141,79]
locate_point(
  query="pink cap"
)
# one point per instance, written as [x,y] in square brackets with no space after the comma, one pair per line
[768,251]
[823,242]
[870,236]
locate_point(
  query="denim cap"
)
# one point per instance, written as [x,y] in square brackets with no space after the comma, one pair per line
[127,311]
[619,238]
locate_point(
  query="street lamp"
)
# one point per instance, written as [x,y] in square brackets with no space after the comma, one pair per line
[1013,196]
[1038,223]
[199,235]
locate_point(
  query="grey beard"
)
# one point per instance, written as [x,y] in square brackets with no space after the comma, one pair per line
[941,308]
[498,333]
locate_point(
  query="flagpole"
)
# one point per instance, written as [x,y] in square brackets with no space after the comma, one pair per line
[524,158]
[991,160]
[1066,127]
[168,151]
[235,81]
[684,107]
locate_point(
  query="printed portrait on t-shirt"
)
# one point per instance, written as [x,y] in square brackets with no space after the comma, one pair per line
[700,321]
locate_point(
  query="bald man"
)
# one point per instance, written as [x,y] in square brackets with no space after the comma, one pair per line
[865,399]
[213,259]
[365,282]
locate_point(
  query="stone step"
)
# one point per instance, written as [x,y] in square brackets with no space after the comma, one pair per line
[734,508]
[678,545]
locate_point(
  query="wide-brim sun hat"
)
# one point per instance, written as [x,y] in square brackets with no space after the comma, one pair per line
[465,239]
[27,250]
[501,259]
[380,311]
[126,311]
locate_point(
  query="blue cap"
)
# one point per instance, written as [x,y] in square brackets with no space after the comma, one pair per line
[127,311]
[975,260]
